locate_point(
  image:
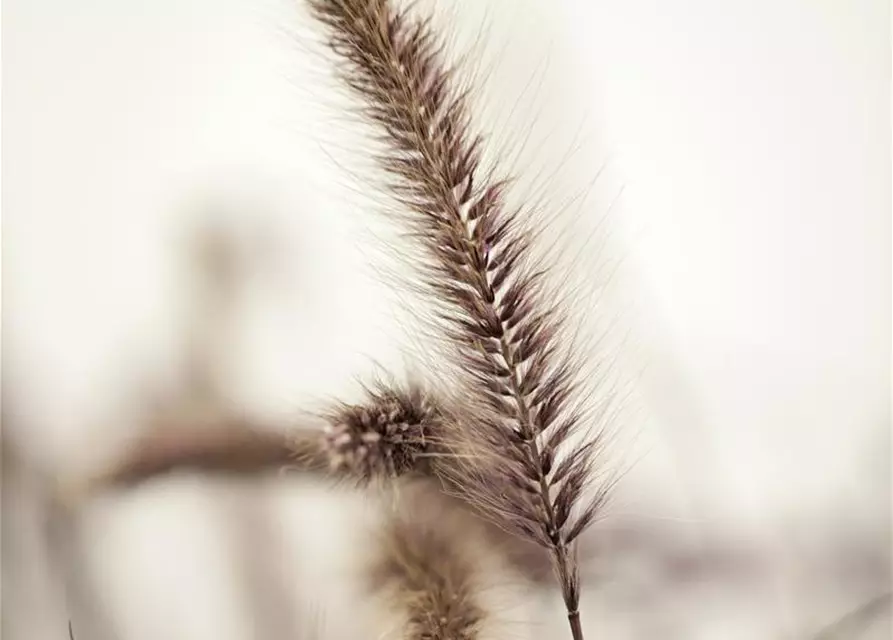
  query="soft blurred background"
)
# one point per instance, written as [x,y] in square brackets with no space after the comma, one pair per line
[742,150]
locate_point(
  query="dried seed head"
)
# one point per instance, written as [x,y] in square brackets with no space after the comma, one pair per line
[431,580]
[385,436]
[517,462]
[428,566]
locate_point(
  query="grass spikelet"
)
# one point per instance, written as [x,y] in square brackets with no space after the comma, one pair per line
[523,462]
[387,436]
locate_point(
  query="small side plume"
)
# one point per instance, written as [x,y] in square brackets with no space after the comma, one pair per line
[391,434]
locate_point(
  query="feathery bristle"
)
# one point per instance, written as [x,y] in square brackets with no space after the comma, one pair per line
[519,466]
[384,437]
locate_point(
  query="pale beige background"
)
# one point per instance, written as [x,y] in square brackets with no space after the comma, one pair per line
[751,140]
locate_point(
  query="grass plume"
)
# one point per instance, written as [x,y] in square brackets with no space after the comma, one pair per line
[391,433]
[521,464]
[387,436]
[424,568]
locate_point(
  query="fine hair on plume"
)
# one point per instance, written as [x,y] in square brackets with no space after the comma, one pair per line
[524,437]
